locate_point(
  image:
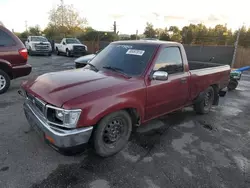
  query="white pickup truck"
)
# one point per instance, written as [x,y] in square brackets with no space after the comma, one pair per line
[38,45]
[71,47]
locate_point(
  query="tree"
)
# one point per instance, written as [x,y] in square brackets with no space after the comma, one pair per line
[133,37]
[176,33]
[65,19]
[163,34]
[149,31]
[35,30]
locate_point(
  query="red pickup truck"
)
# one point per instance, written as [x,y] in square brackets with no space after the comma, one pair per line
[125,85]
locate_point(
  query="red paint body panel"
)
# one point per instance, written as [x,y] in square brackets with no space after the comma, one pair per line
[10,58]
[103,92]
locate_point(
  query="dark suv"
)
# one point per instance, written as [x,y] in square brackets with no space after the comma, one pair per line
[13,58]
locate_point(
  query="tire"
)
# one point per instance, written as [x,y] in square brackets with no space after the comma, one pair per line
[49,54]
[4,81]
[68,53]
[57,51]
[110,125]
[232,85]
[204,106]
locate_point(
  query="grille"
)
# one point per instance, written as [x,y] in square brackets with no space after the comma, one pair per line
[79,49]
[42,47]
[40,105]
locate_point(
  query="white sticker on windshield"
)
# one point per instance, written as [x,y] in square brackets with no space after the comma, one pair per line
[135,52]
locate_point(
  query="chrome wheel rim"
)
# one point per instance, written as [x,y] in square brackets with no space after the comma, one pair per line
[2,82]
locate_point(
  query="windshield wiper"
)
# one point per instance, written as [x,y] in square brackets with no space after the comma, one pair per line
[116,69]
[93,66]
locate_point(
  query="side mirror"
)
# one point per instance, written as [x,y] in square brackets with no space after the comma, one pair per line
[64,43]
[28,40]
[160,75]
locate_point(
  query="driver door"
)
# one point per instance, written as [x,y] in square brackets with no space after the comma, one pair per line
[164,96]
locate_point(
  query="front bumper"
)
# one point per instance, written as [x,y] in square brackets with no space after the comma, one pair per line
[60,138]
[40,52]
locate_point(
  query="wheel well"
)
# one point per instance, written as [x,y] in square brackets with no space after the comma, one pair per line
[135,116]
[6,69]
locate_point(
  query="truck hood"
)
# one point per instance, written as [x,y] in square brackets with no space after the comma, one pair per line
[57,88]
[37,42]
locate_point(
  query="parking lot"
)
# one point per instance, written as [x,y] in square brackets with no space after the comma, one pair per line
[179,150]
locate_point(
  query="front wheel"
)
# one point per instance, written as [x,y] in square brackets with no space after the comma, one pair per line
[204,106]
[112,133]
[68,53]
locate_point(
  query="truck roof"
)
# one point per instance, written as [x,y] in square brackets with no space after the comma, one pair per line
[149,42]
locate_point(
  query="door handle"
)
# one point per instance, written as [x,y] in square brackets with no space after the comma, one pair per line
[183,80]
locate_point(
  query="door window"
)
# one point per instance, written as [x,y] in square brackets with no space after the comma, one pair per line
[169,60]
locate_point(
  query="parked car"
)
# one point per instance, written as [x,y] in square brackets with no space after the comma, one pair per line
[71,47]
[82,61]
[127,84]
[13,58]
[38,45]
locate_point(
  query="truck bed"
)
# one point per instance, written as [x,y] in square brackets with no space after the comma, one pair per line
[194,65]
[205,74]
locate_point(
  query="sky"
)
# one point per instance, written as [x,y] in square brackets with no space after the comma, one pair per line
[130,15]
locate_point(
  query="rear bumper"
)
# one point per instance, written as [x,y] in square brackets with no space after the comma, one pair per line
[60,138]
[78,52]
[20,71]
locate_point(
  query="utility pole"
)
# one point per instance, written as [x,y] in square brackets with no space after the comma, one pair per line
[114,27]
[26,25]
[235,48]
[136,35]
[62,18]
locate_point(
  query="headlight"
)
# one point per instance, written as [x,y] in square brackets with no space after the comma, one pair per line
[63,118]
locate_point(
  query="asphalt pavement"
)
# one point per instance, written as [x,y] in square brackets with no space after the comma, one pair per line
[179,150]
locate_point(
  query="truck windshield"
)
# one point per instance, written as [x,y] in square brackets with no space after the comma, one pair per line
[131,59]
[39,39]
[72,41]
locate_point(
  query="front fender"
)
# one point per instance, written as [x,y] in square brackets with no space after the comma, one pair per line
[93,113]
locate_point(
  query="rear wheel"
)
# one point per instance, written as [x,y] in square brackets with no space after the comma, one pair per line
[204,106]
[232,85]
[112,133]
[4,82]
